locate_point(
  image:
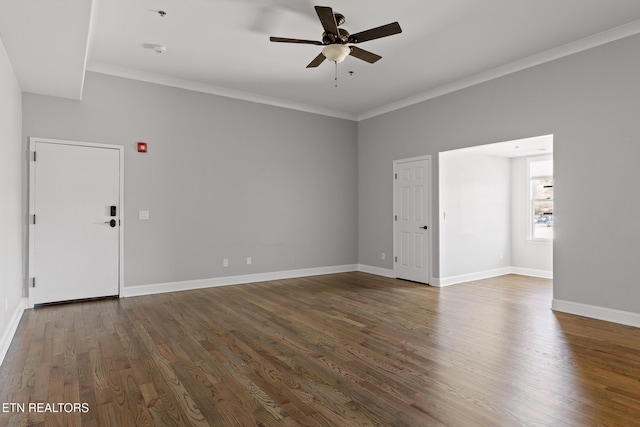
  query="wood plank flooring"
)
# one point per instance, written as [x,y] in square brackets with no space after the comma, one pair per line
[348,349]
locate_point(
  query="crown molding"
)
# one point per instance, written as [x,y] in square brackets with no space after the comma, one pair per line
[623,31]
[165,80]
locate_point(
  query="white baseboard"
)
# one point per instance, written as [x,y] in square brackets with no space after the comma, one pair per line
[8,334]
[595,312]
[479,275]
[435,281]
[543,274]
[446,281]
[487,274]
[132,291]
[385,272]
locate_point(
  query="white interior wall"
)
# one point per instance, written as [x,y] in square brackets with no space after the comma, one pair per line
[11,224]
[475,214]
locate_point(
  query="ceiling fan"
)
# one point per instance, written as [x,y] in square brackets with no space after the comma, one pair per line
[335,39]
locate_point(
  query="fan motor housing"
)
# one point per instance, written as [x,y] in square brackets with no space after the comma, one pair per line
[342,38]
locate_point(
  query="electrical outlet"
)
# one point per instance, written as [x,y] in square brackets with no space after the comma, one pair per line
[143,215]
[384,256]
[225,262]
[248,260]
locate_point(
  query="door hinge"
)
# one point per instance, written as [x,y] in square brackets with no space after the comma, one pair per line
[396,217]
[34,156]
[33,282]
[34,219]
[396,259]
[396,175]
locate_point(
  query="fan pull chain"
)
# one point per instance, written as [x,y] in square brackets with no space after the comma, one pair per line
[336,73]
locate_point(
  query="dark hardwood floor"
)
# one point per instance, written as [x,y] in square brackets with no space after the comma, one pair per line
[337,350]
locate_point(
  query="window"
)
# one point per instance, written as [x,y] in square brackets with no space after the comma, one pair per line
[540,170]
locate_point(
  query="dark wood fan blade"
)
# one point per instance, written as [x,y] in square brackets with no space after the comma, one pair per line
[365,55]
[375,33]
[286,40]
[317,61]
[327,19]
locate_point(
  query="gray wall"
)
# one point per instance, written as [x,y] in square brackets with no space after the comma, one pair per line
[12,228]
[589,102]
[223,178]
[475,195]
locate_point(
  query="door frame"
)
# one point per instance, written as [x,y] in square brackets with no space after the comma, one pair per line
[31,262]
[429,221]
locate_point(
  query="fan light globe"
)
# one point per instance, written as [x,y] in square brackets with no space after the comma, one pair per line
[336,52]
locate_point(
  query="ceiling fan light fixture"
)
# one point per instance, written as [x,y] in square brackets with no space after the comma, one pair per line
[336,52]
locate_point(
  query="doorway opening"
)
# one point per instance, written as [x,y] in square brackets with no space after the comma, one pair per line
[496,210]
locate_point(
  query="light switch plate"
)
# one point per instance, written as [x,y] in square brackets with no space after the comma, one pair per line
[143,215]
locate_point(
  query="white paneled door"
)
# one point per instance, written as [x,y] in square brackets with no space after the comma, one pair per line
[412,232]
[75,198]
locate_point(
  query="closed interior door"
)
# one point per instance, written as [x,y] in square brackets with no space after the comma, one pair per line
[76,236]
[412,210]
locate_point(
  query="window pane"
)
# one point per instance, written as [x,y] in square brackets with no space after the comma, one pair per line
[543,189]
[541,197]
[543,219]
[542,208]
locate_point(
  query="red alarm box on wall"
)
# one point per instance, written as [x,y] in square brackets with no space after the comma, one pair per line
[142,147]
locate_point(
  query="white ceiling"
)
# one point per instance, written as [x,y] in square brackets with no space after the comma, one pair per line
[534,146]
[222,46]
